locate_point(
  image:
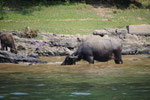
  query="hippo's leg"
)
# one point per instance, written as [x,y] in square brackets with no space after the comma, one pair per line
[2,47]
[90,59]
[6,48]
[118,58]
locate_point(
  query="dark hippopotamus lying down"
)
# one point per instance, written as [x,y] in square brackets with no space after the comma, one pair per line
[96,48]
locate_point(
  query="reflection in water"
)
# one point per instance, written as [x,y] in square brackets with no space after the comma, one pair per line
[54,63]
[40,85]
[124,93]
[1,96]
[101,81]
[19,93]
[80,93]
[114,89]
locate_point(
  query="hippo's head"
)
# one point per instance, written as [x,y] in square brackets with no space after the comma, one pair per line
[70,60]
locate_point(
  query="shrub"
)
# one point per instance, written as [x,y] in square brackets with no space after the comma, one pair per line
[29,33]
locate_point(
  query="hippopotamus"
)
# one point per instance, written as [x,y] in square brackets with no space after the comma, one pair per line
[7,41]
[96,48]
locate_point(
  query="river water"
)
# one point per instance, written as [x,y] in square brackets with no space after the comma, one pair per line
[101,81]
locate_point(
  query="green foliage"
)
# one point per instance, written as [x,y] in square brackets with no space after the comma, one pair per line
[71,19]
[1,10]
[29,33]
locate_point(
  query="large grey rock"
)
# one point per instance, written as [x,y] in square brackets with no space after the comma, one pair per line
[100,32]
[122,33]
[111,31]
[52,51]
[139,29]
[130,49]
[8,57]
[70,43]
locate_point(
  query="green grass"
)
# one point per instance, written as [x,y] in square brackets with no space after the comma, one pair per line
[71,19]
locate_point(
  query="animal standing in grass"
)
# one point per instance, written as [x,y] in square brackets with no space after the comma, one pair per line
[96,48]
[7,41]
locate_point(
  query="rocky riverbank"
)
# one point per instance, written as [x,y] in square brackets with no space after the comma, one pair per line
[8,57]
[49,44]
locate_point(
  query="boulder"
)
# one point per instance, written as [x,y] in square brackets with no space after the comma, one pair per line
[122,33]
[139,30]
[8,57]
[70,43]
[100,32]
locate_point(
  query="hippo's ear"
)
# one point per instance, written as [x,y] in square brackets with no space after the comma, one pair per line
[73,57]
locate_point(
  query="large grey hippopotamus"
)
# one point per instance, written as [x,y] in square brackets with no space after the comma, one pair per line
[96,48]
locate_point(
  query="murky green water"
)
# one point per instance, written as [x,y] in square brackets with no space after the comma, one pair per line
[101,81]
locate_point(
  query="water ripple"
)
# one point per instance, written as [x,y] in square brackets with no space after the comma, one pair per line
[52,63]
[40,85]
[81,93]
[20,93]
[114,89]
[1,96]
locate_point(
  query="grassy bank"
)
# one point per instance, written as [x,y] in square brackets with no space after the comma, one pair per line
[72,19]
